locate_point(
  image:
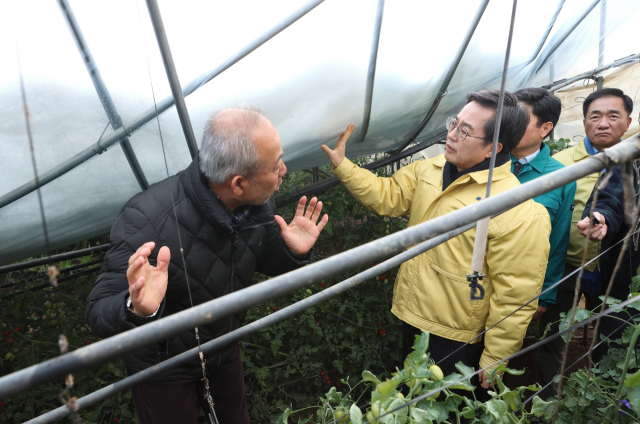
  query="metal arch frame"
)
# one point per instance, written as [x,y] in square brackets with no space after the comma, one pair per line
[566,35]
[557,85]
[371,73]
[447,79]
[221,307]
[102,91]
[172,76]
[117,136]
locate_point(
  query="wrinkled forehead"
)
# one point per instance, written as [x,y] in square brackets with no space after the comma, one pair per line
[607,105]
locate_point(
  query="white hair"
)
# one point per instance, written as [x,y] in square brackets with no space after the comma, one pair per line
[228,146]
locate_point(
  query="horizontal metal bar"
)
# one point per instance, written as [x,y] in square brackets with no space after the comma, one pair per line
[52,259]
[442,91]
[325,184]
[557,85]
[172,76]
[237,335]
[60,281]
[101,89]
[117,136]
[29,277]
[241,300]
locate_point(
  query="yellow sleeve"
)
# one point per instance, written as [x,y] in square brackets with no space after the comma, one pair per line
[385,196]
[516,263]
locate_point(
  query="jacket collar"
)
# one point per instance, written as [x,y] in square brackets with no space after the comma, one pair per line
[479,172]
[580,152]
[540,161]
[211,208]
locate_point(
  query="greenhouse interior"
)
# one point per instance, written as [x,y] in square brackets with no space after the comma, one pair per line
[101,101]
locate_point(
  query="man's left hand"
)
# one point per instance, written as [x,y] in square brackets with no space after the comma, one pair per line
[541,310]
[301,234]
[484,379]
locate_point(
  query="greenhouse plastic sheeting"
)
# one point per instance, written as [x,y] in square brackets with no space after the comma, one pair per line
[310,79]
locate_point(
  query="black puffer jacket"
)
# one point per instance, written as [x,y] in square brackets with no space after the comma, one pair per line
[219,261]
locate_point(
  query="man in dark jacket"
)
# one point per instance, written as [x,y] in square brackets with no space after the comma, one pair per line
[611,228]
[217,216]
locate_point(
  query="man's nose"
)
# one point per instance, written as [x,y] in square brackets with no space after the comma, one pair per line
[604,122]
[453,134]
[283,170]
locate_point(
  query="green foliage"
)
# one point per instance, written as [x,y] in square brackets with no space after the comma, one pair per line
[557,145]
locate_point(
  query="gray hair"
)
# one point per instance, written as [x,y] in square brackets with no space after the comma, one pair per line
[228,147]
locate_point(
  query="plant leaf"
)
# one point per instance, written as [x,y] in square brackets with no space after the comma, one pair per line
[334,396]
[368,376]
[355,414]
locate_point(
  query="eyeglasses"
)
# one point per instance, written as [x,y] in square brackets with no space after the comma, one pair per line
[461,133]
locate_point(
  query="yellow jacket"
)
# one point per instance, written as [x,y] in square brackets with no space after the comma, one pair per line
[431,291]
[585,187]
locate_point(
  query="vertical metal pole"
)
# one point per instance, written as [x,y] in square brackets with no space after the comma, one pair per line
[552,72]
[101,89]
[172,76]
[371,74]
[603,30]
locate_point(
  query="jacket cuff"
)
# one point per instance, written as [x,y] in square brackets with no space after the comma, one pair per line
[137,319]
[545,303]
[485,361]
[343,170]
[304,259]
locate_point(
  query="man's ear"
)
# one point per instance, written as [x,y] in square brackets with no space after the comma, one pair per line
[238,185]
[629,120]
[487,155]
[546,129]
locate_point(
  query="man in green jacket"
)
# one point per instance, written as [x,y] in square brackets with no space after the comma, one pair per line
[530,160]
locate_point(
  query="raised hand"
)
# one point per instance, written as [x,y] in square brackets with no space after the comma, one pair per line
[148,284]
[301,234]
[336,156]
[598,231]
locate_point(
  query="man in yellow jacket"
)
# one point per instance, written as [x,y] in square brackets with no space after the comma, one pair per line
[431,291]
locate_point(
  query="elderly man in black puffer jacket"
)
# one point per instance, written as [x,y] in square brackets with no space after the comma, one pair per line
[218,211]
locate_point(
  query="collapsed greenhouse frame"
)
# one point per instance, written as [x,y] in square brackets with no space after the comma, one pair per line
[428,234]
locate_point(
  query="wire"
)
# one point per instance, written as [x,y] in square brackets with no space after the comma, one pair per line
[536,297]
[207,394]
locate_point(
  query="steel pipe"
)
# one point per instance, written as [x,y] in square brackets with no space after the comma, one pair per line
[567,33]
[52,259]
[138,122]
[101,89]
[557,85]
[243,299]
[371,74]
[172,76]
[442,91]
[237,335]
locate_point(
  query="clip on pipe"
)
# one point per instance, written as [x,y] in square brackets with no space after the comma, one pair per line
[473,280]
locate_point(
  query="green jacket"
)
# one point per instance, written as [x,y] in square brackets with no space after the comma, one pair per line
[559,204]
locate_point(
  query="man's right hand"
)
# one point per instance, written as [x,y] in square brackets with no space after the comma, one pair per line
[598,231]
[336,156]
[147,284]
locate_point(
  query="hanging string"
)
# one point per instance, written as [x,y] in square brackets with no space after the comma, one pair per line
[207,394]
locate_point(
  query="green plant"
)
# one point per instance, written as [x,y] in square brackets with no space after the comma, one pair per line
[557,145]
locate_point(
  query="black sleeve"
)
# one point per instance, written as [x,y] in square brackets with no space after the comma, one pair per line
[277,258]
[106,311]
[610,202]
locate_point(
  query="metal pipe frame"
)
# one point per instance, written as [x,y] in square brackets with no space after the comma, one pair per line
[235,302]
[52,259]
[371,74]
[557,85]
[327,183]
[442,91]
[603,31]
[60,280]
[117,136]
[569,31]
[172,76]
[237,335]
[35,275]
[101,89]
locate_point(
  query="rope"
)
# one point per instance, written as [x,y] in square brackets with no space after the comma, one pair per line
[207,394]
